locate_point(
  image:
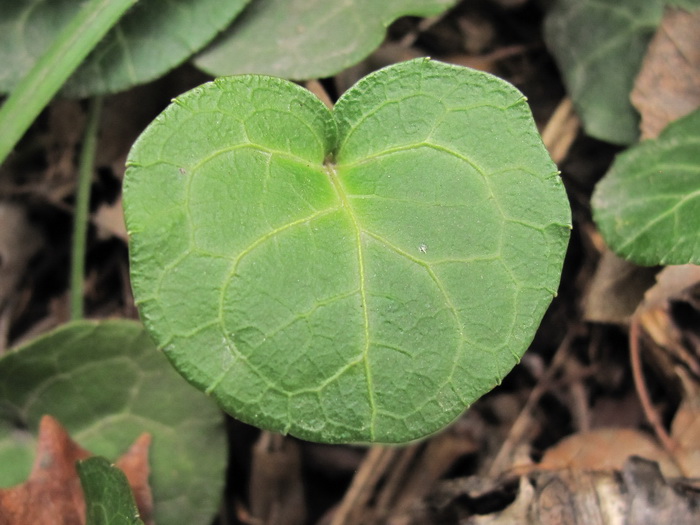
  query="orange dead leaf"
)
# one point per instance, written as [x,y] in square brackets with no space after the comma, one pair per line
[605,449]
[52,495]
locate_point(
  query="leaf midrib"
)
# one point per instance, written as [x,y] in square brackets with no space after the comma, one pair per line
[345,203]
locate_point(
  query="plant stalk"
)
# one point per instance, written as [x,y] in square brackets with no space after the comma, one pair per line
[82,209]
[50,72]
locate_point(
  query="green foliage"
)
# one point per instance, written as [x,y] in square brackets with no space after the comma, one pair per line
[648,205]
[152,38]
[303,30]
[108,497]
[355,275]
[71,45]
[599,47]
[107,384]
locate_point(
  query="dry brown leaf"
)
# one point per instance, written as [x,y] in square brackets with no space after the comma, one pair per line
[605,449]
[638,494]
[674,283]
[686,432]
[561,131]
[671,354]
[53,495]
[668,85]
[685,429]
[616,289]
[110,219]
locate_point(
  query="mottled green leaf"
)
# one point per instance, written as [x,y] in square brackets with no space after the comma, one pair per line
[107,384]
[154,37]
[349,276]
[599,46]
[303,39]
[108,497]
[648,205]
[688,5]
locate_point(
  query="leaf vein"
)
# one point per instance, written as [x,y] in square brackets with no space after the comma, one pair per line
[342,194]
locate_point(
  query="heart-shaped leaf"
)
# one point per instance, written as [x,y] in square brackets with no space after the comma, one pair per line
[648,205]
[302,31]
[348,276]
[152,38]
[108,384]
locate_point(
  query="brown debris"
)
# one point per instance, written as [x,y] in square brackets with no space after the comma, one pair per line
[391,479]
[668,85]
[673,284]
[616,289]
[561,130]
[637,494]
[670,349]
[109,218]
[276,489]
[19,242]
[605,449]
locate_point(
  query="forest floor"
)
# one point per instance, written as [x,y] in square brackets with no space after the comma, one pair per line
[611,377]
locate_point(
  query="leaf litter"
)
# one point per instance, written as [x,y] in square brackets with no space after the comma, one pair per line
[522,449]
[53,494]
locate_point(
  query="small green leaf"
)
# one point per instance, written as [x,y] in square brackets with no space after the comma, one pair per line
[152,38]
[107,384]
[349,276]
[648,205]
[599,46]
[108,497]
[303,39]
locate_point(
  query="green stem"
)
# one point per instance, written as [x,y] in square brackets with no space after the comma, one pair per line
[50,72]
[82,209]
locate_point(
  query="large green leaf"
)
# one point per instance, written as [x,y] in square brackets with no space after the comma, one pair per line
[303,39]
[648,205]
[599,46]
[108,497]
[349,276]
[106,383]
[154,37]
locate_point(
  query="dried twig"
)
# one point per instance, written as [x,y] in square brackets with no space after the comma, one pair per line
[371,470]
[640,385]
[519,427]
